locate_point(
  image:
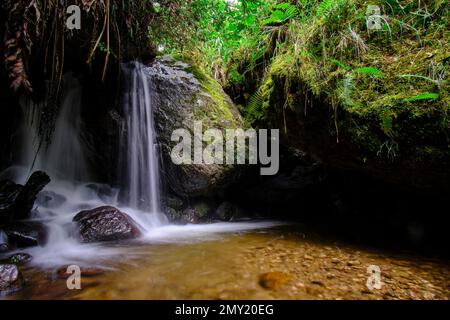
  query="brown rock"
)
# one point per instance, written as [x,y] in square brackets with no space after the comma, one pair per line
[85,272]
[274,280]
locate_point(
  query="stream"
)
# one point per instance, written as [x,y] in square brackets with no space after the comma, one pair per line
[218,261]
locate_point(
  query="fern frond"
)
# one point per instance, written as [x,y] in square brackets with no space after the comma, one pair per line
[369,70]
[255,102]
[422,96]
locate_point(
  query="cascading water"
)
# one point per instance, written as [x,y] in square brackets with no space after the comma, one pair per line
[64,159]
[141,172]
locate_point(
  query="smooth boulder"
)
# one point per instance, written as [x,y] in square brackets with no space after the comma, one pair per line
[105,224]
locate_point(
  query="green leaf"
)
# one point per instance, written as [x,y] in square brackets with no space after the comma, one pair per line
[422,96]
[339,64]
[369,70]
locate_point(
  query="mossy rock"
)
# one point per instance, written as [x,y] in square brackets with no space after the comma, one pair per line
[185,94]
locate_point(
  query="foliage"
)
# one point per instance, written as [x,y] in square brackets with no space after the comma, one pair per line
[389,80]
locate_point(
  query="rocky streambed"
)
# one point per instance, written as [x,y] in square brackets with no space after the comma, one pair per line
[281,263]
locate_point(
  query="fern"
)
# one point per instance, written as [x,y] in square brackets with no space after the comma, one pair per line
[422,96]
[283,11]
[340,64]
[369,70]
[255,103]
[327,6]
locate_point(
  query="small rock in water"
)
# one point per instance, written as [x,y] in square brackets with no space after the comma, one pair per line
[335,260]
[317,282]
[85,272]
[11,279]
[353,263]
[20,258]
[274,280]
[105,224]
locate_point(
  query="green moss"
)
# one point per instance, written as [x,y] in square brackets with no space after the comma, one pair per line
[216,109]
[327,55]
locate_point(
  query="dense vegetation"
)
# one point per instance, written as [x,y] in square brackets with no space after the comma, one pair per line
[385,84]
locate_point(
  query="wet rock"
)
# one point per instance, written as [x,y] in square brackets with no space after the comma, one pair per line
[274,280]
[174,216]
[225,211]
[105,224]
[85,272]
[228,211]
[174,202]
[20,258]
[189,216]
[11,279]
[50,199]
[184,95]
[199,210]
[26,234]
[102,191]
[16,201]
[203,209]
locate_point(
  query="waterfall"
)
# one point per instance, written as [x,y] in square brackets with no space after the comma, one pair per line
[64,158]
[141,168]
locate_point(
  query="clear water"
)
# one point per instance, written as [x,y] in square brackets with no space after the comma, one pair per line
[198,262]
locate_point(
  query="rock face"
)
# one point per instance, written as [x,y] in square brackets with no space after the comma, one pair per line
[11,279]
[185,94]
[228,211]
[105,224]
[16,201]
